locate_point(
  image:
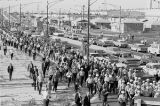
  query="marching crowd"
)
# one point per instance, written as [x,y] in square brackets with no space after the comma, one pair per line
[101,77]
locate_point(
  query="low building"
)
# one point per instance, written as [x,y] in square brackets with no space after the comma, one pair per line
[129,26]
[102,23]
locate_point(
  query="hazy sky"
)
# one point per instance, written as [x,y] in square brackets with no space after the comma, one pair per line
[75,5]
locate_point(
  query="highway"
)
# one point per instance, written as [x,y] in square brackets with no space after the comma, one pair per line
[95,47]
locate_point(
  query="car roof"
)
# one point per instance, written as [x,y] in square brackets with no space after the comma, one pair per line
[153,64]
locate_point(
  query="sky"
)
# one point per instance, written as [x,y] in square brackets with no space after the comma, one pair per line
[73,5]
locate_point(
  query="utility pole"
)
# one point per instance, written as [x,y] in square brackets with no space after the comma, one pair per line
[83,11]
[59,17]
[9,19]
[88,31]
[151,4]
[20,15]
[2,18]
[120,15]
[47,19]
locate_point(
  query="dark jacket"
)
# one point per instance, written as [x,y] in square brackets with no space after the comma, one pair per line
[10,69]
[86,101]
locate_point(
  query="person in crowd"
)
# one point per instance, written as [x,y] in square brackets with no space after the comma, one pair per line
[78,99]
[44,68]
[55,80]
[122,99]
[5,49]
[30,69]
[86,100]
[10,71]
[40,82]
[89,83]
[69,77]
[11,54]
[81,74]
[105,93]
[46,97]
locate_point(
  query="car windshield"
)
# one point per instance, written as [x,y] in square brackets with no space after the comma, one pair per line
[116,49]
[127,55]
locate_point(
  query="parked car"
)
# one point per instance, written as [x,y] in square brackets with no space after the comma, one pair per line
[152,68]
[113,50]
[148,58]
[82,38]
[59,34]
[139,47]
[121,43]
[154,49]
[74,37]
[128,59]
[105,43]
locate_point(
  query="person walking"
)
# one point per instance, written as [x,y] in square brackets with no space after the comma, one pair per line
[69,76]
[44,68]
[122,99]
[40,82]
[81,73]
[78,99]
[89,83]
[55,79]
[104,96]
[10,71]
[5,49]
[46,97]
[30,69]
[11,54]
[86,101]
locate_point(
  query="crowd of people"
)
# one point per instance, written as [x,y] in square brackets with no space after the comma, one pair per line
[101,77]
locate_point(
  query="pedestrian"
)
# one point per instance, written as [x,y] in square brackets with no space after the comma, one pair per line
[34,76]
[44,68]
[78,99]
[11,54]
[89,83]
[10,71]
[30,69]
[81,73]
[104,96]
[69,77]
[46,97]
[122,99]
[55,79]
[34,54]
[5,49]
[86,101]
[40,82]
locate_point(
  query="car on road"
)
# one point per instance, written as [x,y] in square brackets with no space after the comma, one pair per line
[128,59]
[93,41]
[59,34]
[152,68]
[82,38]
[121,43]
[74,37]
[154,49]
[105,43]
[148,58]
[139,47]
[113,50]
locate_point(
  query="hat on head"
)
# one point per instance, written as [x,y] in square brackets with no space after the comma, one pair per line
[122,92]
[97,75]
[89,75]
[128,83]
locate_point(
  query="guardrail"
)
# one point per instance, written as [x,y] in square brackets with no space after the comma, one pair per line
[147,101]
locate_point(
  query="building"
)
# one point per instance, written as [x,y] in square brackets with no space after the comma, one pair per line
[131,26]
[102,23]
